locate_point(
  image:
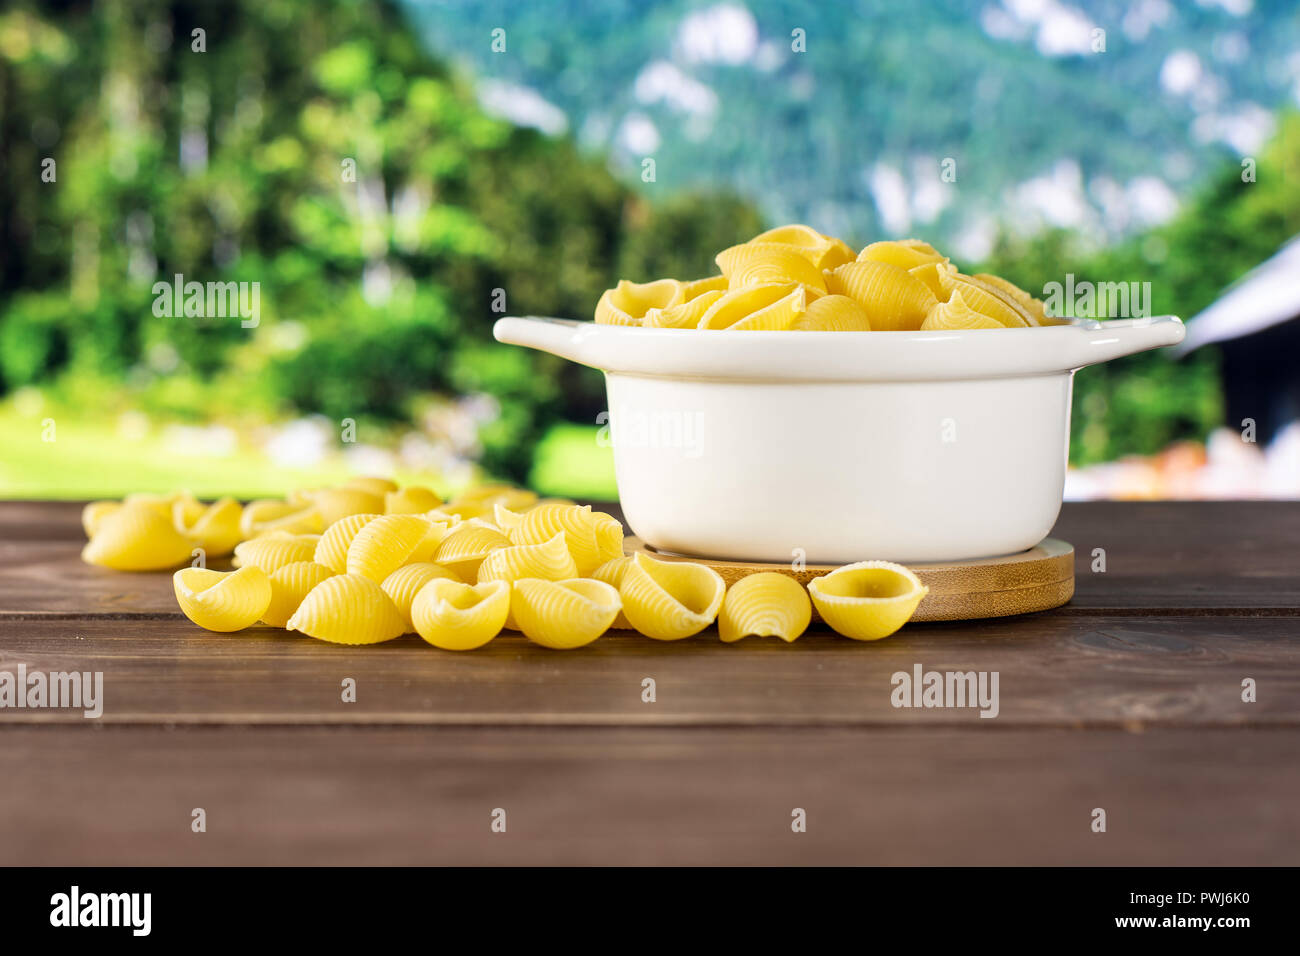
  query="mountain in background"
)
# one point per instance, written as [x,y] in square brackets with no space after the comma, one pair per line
[1044,130]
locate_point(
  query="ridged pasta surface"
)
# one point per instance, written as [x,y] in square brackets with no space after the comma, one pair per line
[332,549]
[222,600]
[270,552]
[592,538]
[385,544]
[766,604]
[894,299]
[868,600]
[214,527]
[465,547]
[405,583]
[833,313]
[628,302]
[563,614]
[460,617]
[348,609]
[289,586]
[670,600]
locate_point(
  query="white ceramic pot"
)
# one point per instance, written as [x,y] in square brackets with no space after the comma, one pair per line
[837,447]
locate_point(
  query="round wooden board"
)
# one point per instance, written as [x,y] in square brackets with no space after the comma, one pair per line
[1035,580]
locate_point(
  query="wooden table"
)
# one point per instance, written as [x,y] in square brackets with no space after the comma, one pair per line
[1127,699]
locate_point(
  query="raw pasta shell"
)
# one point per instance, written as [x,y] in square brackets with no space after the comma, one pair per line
[289,586]
[332,549]
[735,306]
[765,604]
[563,614]
[267,514]
[684,315]
[768,263]
[405,583]
[669,600]
[868,600]
[348,609]
[386,543]
[464,549]
[612,573]
[825,252]
[216,527]
[414,499]
[375,486]
[956,314]
[222,600]
[592,538]
[833,313]
[904,253]
[894,299]
[271,552]
[460,617]
[780,316]
[986,299]
[93,515]
[1036,309]
[697,287]
[335,504]
[549,560]
[628,302]
[937,277]
[137,537]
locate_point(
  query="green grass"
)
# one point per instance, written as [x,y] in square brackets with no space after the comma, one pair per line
[92,459]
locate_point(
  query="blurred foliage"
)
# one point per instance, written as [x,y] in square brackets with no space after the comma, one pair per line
[233,163]
[1239,219]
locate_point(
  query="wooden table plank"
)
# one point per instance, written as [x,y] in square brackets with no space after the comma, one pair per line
[1054,670]
[1161,558]
[645,796]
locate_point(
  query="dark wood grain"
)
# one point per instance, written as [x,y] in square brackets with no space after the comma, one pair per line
[1128,698]
[1057,671]
[645,796]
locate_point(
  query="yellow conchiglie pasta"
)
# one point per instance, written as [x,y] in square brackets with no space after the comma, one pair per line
[986,299]
[137,537]
[956,314]
[405,583]
[669,600]
[736,306]
[563,614]
[824,252]
[768,263]
[549,560]
[215,527]
[222,600]
[904,253]
[267,514]
[332,549]
[893,298]
[270,552]
[334,504]
[1035,308]
[385,544]
[697,287]
[348,609]
[684,315]
[612,573]
[94,513]
[411,500]
[868,600]
[460,617]
[375,486]
[766,604]
[464,549]
[833,313]
[592,538]
[289,586]
[628,302]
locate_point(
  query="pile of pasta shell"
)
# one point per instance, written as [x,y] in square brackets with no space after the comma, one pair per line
[369,561]
[794,278]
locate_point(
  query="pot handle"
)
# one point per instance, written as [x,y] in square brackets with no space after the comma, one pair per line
[563,337]
[1103,341]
